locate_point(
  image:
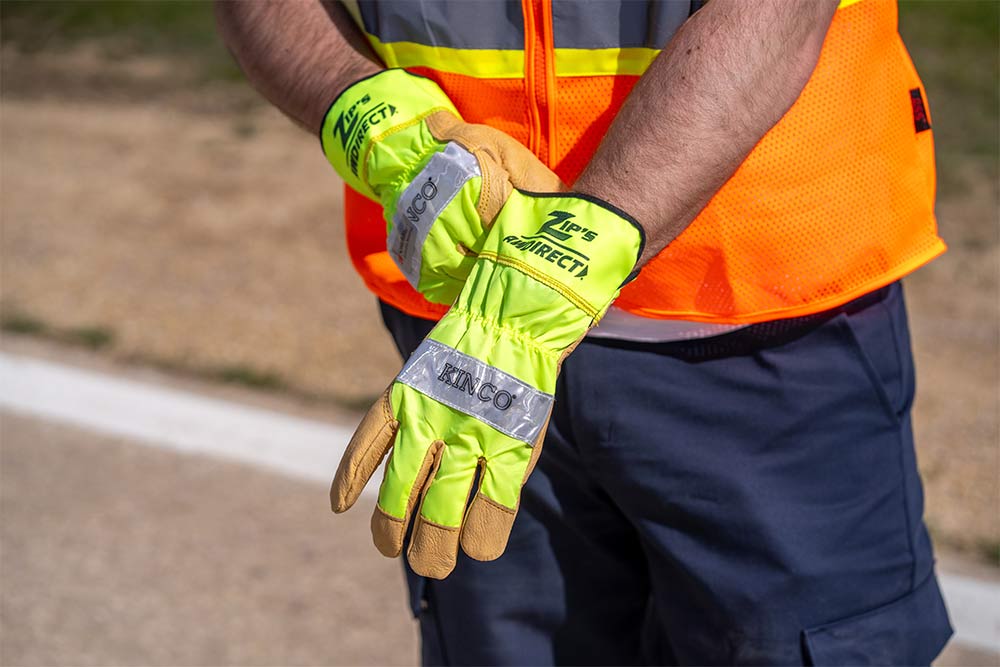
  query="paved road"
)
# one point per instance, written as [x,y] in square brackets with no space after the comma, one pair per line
[115,554]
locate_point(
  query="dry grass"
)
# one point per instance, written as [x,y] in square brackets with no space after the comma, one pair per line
[197,238]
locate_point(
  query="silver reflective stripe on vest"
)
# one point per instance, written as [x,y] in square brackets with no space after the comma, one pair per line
[600,24]
[454,24]
[421,203]
[478,390]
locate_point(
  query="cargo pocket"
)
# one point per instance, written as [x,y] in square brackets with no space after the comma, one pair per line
[909,631]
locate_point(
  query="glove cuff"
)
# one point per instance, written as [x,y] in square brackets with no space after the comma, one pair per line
[374,110]
[582,247]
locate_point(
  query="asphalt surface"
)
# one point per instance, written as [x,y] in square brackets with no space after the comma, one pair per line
[114,554]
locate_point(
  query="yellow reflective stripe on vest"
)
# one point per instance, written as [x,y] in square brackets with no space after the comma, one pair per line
[604,62]
[479,63]
[509,64]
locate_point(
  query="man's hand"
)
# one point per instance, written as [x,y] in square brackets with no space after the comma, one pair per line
[391,135]
[476,395]
[397,138]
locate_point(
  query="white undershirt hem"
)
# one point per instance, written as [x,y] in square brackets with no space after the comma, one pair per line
[623,325]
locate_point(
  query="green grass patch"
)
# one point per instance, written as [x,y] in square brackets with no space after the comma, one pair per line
[173,25]
[91,337]
[248,377]
[244,128]
[989,552]
[122,27]
[955,46]
[22,325]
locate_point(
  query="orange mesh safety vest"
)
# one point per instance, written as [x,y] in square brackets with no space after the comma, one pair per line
[835,201]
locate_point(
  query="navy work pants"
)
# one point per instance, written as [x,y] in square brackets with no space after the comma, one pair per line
[751,498]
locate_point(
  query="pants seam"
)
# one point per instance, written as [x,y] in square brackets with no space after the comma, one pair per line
[903,423]
[432,609]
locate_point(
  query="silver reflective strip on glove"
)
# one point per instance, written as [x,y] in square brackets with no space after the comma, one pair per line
[478,390]
[422,202]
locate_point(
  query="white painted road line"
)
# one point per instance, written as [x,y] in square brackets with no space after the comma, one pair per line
[974,607]
[172,419]
[298,447]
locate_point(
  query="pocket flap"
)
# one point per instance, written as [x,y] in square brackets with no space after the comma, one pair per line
[912,630]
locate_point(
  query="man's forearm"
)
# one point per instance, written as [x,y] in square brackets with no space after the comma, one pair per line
[729,74]
[299,54]
[725,79]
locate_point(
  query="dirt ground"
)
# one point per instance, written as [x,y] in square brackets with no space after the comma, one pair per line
[195,228]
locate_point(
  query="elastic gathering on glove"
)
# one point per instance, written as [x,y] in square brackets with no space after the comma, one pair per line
[424,200]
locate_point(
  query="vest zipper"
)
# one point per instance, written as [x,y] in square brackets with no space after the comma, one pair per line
[539,78]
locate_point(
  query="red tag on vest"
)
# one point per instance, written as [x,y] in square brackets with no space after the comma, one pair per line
[920,121]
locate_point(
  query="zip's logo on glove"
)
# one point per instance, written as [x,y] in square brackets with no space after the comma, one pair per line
[559,226]
[352,127]
[453,376]
[549,243]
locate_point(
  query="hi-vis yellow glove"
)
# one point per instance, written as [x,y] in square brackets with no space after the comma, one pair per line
[477,393]
[396,138]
